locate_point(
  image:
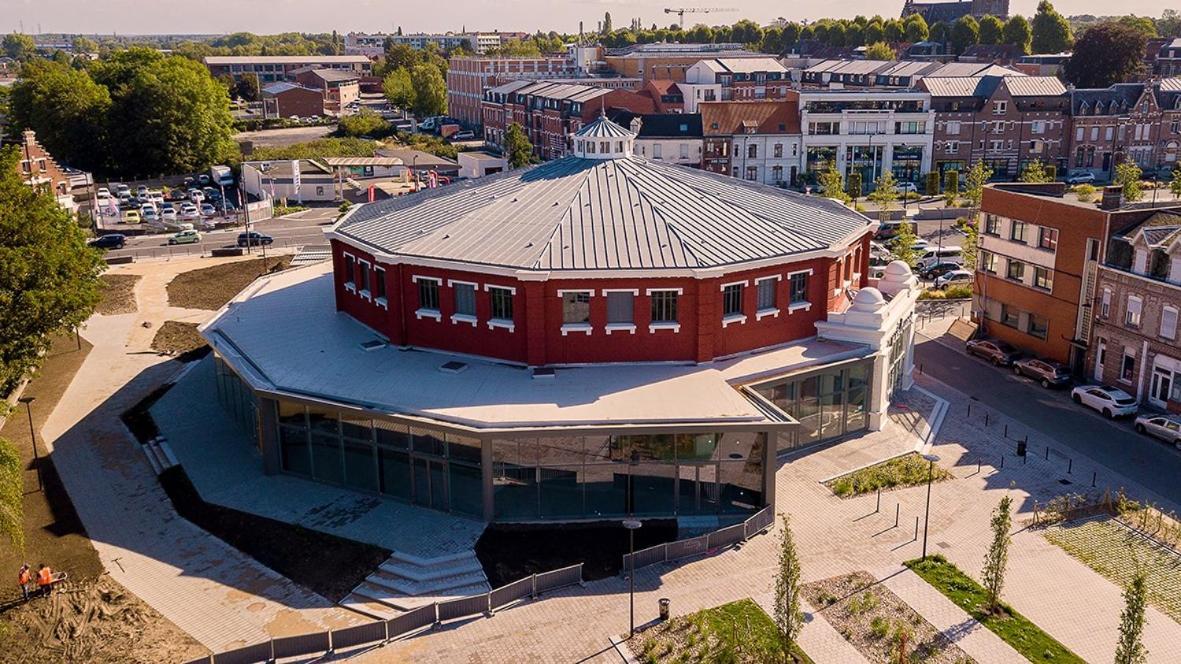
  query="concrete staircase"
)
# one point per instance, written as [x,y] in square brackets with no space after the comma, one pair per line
[404,582]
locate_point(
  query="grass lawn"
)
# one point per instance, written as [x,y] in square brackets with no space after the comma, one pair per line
[1113,551]
[118,296]
[903,471]
[736,632]
[211,287]
[1014,628]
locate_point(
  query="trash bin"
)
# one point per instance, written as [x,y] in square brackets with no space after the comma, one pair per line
[664,602]
[1021,448]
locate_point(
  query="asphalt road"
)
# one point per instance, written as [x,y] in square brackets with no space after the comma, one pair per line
[294,230]
[1114,444]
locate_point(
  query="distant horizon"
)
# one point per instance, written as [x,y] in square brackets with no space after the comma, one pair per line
[131,18]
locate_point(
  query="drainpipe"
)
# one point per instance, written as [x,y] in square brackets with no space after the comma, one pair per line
[1140,378]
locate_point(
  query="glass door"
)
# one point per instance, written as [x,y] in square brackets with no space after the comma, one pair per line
[1162,382]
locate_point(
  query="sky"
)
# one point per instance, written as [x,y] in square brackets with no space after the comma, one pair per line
[270,16]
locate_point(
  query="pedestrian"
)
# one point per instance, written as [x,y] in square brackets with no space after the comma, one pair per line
[25,578]
[45,579]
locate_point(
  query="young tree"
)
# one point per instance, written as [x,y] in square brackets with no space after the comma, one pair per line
[1127,176]
[1035,172]
[879,50]
[1051,30]
[903,245]
[997,557]
[430,90]
[951,187]
[831,184]
[399,89]
[885,192]
[1130,649]
[1175,183]
[853,185]
[1107,53]
[971,248]
[964,33]
[49,277]
[12,496]
[1018,33]
[518,147]
[932,188]
[789,616]
[974,182]
[991,30]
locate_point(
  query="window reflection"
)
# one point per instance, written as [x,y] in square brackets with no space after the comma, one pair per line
[828,404]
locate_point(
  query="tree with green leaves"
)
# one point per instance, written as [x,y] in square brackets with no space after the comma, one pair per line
[247,87]
[18,46]
[879,51]
[789,614]
[971,247]
[608,27]
[746,31]
[84,45]
[940,31]
[12,496]
[1175,183]
[903,245]
[832,184]
[1051,30]
[873,33]
[965,32]
[992,30]
[885,192]
[1106,54]
[932,187]
[68,111]
[951,187]
[1018,33]
[853,185]
[1130,648]
[48,275]
[895,31]
[916,28]
[974,182]
[399,89]
[1035,172]
[430,90]
[517,146]
[366,123]
[997,558]
[1127,177]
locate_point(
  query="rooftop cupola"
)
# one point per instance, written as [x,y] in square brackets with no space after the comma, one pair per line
[603,139]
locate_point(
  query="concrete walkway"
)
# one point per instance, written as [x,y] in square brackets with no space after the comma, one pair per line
[207,588]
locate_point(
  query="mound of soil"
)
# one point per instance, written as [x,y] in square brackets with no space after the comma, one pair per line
[176,338]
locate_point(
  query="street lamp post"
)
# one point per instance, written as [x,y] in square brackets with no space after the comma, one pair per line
[632,526]
[931,458]
[27,401]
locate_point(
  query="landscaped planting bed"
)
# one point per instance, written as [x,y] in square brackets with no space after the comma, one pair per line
[211,287]
[903,471]
[878,623]
[177,338]
[1014,628]
[118,294]
[1114,551]
[738,632]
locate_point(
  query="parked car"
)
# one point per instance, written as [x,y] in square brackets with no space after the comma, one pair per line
[1047,372]
[463,136]
[939,269]
[208,210]
[169,214]
[254,239]
[185,237]
[956,276]
[203,179]
[109,241]
[189,211]
[131,217]
[141,190]
[195,196]
[1165,427]
[1112,402]
[934,255]
[177,195]
[149,214]
[906,188]
[998,352]
[1083,177]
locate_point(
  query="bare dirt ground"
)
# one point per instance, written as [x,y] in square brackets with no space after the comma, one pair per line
[282,137]
[211,287]
[176,338]
[118,294]
[91,621]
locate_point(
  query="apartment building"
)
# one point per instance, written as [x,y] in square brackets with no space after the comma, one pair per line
[339,88]
[734,79]
[1004,121]
[1135,122]
[1168,59]
[373,44]
[868,132]
[758,141]
[669,61]
[1136,316]
[469,77]
[271,68]
[674,138]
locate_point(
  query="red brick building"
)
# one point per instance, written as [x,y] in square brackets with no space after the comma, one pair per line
[1134,122]
[469,77]
[39,169]
[284,100]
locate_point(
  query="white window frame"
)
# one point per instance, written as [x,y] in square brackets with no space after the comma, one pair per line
[773,312]
[630,328]
[1172,334]
[421,313]
[364,292]
[1105,303]
[502,323]
[798,306]
[1139,311]
[349,283]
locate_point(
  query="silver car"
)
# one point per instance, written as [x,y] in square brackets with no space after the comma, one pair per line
[1164,427]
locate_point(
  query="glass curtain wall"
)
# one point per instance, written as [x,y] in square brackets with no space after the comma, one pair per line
[828,404]
[237,398]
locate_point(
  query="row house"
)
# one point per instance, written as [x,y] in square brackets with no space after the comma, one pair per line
[39,169]
[1135,122]
[867,132]
[1004,121]
[469,77]
[674,138]
[758,141]
[734,79]
[1168,59]
[549,111]
[899,74]
[1137,310]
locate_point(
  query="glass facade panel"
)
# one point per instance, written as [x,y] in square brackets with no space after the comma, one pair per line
[327,462]
[561,493]
[463,448]
[606,489]
[394,473]
[293,450]
[427,441]
[360,471]
[356,427]
[391,435]
[466,486]
[828,403]
[654,488]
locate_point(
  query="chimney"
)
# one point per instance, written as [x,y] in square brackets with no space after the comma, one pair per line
[30,138]
[635,124]
[1113,198]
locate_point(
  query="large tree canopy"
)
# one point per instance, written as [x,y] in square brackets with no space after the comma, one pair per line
[48,276]
[964,33]
[430,90]
[1106,53]
[991,30]
[1018,33]
[1051,30]
[67,109]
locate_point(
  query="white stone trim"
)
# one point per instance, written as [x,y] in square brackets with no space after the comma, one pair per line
[567,328]
[451,283]
[511,289]
[650,291]
[733,318]
[350,286]
[652,327]
[744,282]
[773,312]
[776,277]
[563,291]
[630,328]
[419,277]
[382,302]
[502,323]
[792,308]
[428,313]
[633,291]
[792,274]
[464,318]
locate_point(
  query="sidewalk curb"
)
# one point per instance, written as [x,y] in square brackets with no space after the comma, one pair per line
[941,407]
[625,652]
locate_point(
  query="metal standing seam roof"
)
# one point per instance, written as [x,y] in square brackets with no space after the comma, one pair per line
[750,65]
[601,127]
[1035,86]
[1171,84]
[582,214]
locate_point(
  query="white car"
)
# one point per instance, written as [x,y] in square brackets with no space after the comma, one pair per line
[1110,401]
[953,277]
[169,214]
[189,211]
[208,210]
[196,196]
[149,214]
[906,188]
[1164,427]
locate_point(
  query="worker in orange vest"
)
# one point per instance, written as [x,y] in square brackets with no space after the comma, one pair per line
[25,578]
[45,579]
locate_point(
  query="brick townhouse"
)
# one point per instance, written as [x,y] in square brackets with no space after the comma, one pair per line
[39,169]
[734,79]
[1136,314]
[759,141]
[1004,121]
[469,77]
[1136,122]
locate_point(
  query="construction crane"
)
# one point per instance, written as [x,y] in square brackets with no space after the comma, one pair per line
[681,11]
